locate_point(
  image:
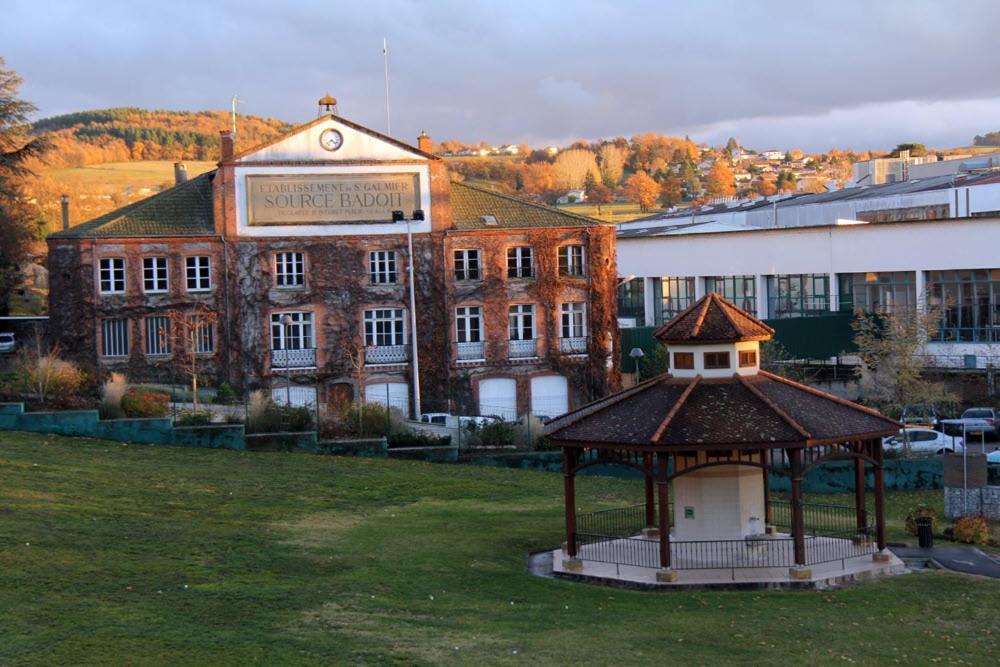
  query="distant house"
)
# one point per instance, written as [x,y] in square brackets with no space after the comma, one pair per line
[508,149]
[572,197]
[773,155]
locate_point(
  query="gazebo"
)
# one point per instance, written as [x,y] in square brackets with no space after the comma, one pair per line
[707,435]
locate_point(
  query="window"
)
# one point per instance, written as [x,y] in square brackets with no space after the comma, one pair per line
[469,324]
[798,295]
[385,326]
[112,275]
[199,273]
[203,335]
[684,361]
[741,290]
[748,358]
[676,294]
[157,336]
[969,304]
[382,267]
[466,265]
[154,274]
[521,321]
[881,292]
[571,260]
[289,269]
[519,262]
[574,320]
[716,360]
[114,338]
[296,335]
[631,299]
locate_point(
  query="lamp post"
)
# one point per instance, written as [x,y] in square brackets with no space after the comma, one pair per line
[637,354]
[286,322]
[399,216]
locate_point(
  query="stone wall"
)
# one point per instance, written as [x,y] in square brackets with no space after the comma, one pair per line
[985,500]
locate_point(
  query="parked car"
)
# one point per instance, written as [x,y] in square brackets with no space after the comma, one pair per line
[920,415]
[993,457]
[980,420]
[440,418]
[7,343]
[924,441]
[479,421]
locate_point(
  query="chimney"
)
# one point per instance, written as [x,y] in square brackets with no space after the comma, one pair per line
[180,173]
[226,139]
[424,142]
[64,200]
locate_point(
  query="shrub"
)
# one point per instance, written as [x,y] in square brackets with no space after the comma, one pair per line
[142,403]
[364,419]
[51,378]
[112,392]
[265,416]
[194,418]
[414,438]
[971,529]
[225,395]
[919,511]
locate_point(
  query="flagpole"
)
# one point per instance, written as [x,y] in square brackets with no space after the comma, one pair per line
[385,62]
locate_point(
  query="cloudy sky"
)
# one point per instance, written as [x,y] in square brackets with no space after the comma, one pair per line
[806,74]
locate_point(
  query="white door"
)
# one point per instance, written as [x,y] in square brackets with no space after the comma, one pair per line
[295,396]
[549,396]
[498,396]
[394,394]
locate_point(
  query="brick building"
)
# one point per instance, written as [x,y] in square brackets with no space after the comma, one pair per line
[294,246]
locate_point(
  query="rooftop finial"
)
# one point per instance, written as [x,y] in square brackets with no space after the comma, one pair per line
[327,104]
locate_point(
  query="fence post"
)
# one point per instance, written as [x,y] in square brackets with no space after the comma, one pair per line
[664,497]
[798,525]
[569,462]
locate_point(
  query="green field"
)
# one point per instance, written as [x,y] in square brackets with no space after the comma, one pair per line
[617,212]
[149,173]
[122,554]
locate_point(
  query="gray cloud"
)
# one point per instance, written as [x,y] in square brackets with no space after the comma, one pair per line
[845,73]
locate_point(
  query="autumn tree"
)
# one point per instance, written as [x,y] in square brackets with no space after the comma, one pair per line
[18,218]
[670,191]
[571,168]
[720,181]
[599,195]
[688,173]
[787,182]
[642,190]
[916,150]
[612,162]
[538,178]
[192,333]
[764,187]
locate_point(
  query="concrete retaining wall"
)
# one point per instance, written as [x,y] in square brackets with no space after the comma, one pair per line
[984,500]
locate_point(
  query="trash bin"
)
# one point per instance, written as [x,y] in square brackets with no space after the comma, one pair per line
[924,535]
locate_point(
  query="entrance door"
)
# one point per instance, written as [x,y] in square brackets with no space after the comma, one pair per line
[498,396]
[549,396]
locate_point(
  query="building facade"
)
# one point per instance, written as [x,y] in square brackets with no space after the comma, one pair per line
[299,252]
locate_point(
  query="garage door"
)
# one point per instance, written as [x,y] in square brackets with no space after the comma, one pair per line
[498,396]
[396,394]
[549,396]
[295,396]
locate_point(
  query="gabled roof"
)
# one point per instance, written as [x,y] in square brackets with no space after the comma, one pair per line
[183,210]
[469,204]
[713,319]
[742,411]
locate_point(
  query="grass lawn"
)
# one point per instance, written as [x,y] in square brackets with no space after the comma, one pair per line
[113,553]
[139,173]
[617,212]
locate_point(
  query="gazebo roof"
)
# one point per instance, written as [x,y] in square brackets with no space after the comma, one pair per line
[713,319]
[761,410]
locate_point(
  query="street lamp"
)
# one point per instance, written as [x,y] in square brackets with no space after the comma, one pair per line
[637,354]
[286,322]
[399,216]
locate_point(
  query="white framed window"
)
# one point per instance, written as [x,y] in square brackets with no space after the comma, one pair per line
[199,273]
[469,324]
[521,321]
[467,265]
[154,275]
[289,269]
[203,336]
[112,275]
[157,336]
[382,267]
[574,320]
[385,326]
[114,338]
[571,260]
[519,264]
[296,335]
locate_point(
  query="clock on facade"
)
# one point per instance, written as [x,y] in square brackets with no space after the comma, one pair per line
[331,139]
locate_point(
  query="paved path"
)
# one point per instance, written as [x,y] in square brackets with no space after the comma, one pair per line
[960,559]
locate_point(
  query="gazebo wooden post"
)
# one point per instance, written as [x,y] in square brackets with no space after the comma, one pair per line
[798,525]
[767,490]
[664,518]
[647,465]
[569,491]
[876,451]
[860,510]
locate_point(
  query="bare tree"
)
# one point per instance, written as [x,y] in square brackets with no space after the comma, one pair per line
[571,168]
[190,332]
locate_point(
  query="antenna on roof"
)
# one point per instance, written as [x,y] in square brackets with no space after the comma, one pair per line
[236,100]
[385,63]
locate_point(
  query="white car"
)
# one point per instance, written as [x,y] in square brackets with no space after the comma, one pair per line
[7,343]
[925,441]
[993,457]
[439,418]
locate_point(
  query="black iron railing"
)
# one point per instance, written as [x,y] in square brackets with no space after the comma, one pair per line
[618,522]
[819,519]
